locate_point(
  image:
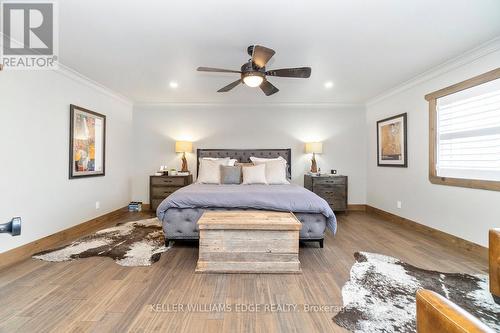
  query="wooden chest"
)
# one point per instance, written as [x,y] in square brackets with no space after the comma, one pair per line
[331,188]
[248,242]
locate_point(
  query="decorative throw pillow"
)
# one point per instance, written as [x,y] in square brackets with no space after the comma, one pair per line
[262,159]
[254,174]
[275,169]
[209,172]
[231,162]
[230,174]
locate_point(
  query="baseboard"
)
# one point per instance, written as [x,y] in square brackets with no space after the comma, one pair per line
[356,208]
[453,240]
[60,238]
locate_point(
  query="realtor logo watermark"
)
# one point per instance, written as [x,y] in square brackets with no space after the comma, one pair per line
[29,35]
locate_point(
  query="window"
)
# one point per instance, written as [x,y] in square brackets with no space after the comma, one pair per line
[465,133]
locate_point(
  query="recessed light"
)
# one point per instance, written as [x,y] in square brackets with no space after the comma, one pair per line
[173,84]
[328,84]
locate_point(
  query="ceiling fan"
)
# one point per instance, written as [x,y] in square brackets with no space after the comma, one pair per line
[253,73]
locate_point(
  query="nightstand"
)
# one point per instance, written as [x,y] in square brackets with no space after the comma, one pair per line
[161,187]
[331,188]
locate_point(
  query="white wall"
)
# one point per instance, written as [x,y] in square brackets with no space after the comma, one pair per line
[34,144]
[342,130]
[466,213]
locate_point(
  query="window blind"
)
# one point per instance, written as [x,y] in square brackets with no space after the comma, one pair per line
[468,133]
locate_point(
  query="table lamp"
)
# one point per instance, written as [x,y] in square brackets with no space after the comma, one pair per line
[314,148]
[184,147]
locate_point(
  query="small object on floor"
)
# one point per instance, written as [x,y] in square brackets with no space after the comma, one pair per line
[381,295]
[138,243]
[135,206]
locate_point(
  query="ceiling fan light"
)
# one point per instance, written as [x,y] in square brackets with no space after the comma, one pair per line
[253,80]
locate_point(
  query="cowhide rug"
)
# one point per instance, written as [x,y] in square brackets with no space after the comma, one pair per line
[138,243]
[380,296]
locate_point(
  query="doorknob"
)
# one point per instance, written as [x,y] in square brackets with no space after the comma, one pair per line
[13,227]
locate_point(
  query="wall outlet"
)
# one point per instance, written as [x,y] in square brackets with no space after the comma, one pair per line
[97,205]
[399,204]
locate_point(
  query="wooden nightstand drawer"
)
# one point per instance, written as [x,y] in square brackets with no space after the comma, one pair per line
[175,181]
[330,180]
[163,191]
[329,187]
[338,206]
[331,195]
[155,203]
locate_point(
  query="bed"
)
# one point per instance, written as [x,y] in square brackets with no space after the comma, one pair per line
[180,211]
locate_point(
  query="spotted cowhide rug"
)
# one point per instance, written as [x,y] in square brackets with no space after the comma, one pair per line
[380,296]
[138,243]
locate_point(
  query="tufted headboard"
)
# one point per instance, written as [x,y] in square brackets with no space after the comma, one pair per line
[243,155]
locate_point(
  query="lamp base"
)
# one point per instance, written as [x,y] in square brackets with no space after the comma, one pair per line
[184,164]
[314,166]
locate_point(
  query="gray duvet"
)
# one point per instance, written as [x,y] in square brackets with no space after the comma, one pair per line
[286,198]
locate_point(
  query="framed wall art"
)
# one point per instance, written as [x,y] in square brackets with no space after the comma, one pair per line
[392,148]
[87,137]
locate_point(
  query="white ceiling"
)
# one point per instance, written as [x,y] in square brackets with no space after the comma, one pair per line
[365,47]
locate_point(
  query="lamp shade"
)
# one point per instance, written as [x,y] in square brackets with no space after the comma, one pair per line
[183,147]
[314,147]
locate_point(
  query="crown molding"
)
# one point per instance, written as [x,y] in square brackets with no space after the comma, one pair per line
[461,60]
[78,77]
[167,104]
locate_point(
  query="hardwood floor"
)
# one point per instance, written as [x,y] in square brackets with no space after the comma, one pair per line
[97,295]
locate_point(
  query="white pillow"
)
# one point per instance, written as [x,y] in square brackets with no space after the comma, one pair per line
[231,162]
[275,169]
[209,172]
[261,159]
[254,174]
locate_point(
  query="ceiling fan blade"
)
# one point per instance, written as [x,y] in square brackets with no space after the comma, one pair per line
[261,55]
[268,88]
[219,70]
[229,86]
[301,72]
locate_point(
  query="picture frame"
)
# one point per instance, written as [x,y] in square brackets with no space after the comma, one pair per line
[392,141]
[87,143]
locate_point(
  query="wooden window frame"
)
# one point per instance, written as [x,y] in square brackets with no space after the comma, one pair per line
[432,99]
